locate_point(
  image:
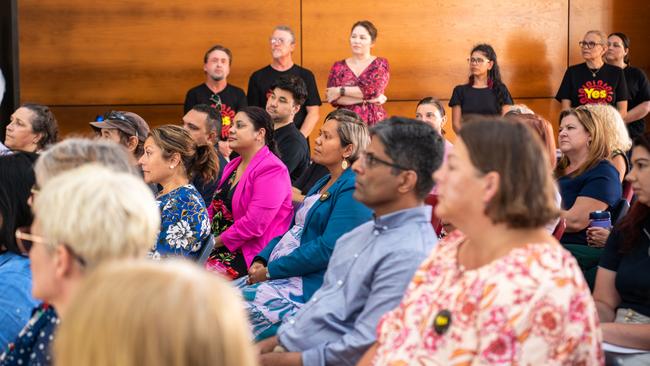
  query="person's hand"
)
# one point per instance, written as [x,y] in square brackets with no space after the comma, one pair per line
[333,94]
[597,236]
[224,149]
[257,273]
[378,100]
[267,345]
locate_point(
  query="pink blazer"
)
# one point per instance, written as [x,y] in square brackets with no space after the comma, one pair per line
[261,204]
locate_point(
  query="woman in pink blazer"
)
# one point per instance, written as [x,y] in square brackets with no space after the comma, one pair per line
[252,204]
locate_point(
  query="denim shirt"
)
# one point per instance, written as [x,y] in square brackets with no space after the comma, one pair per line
[367,275]
[16,301]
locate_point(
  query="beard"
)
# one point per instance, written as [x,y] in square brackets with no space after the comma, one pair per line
[217,77]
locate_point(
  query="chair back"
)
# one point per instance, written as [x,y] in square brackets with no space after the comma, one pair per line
[205,252]
[628,192]
[559,229]
[436,222]
[619,210]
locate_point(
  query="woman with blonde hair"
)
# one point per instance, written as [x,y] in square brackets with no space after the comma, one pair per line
[616,137]
[160,314]
[82,218]
[171,158]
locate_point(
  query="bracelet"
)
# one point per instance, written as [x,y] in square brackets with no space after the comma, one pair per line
[342,91]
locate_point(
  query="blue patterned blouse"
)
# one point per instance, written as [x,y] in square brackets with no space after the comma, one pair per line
[185,224]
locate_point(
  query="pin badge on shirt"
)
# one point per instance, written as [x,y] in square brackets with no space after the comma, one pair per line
[324,196]
[442,322]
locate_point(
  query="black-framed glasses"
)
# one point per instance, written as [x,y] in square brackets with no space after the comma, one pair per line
[370,160]
[588,45]
[25,241]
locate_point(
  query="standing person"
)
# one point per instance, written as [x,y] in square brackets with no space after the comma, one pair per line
[252,204]
[288,92]
[171,158]
[372,264]
[593,81]
[638,106]
[216,92]
[500,290]
[358,83]
[283,43]
[485,93]
[32,128]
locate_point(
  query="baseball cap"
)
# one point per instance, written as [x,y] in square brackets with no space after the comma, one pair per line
[127,122]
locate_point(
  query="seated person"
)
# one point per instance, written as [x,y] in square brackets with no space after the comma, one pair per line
[622,291]
[171,158]
[588,182]
[291,267]
[204,125]
[617,138]
[287,94]
[16,301]
[68,240]
[252,204]
[32,128]
[149,324]
[500,290]
[372,264]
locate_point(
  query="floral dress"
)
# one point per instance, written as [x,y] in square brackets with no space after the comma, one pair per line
[185,224]
[222,260]
[372,81]
[269,302]
[529,307]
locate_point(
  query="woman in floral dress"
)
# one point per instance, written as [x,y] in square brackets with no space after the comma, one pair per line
[500,290]
[170,158]
[358,82]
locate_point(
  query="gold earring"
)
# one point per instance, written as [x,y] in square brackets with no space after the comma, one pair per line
[345,164]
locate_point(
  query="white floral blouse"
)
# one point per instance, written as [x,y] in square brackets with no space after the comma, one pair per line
[529,307]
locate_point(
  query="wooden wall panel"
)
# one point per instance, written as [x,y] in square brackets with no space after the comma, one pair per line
[427,42]
[139,52]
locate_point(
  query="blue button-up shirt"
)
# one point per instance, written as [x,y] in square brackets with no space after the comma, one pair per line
[367,275]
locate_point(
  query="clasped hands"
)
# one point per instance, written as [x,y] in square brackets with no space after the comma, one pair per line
[257,273]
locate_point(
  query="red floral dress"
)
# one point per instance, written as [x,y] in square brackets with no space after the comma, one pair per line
[372,82]
[529,307]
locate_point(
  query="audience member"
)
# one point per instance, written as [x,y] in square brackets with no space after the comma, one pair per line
[68,239]
[359,82]
[32,128]
[16,301]
[291,267]
[622,291]
[588,182]
[617,138]
[288,93]
[638,87]
[500,290]
[134,313]
[252,204]
[203,124]
[593,81]
[283,43]
[431,111]
[372,264]
[171,158]
[125,128]
[484,93]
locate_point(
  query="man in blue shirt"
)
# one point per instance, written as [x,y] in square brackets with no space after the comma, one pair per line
[371,265]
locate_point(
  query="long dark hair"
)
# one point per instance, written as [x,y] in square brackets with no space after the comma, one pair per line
[494,74]
[626,44]
[262,119]
[633,223]
[16,180]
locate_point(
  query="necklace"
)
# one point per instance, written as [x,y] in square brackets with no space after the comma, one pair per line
[594,72]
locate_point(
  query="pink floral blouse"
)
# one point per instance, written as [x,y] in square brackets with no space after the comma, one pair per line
[529,307]
[372,81]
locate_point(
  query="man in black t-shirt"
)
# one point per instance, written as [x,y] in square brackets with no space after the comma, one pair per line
[288,93]
[283,42]
[216,65]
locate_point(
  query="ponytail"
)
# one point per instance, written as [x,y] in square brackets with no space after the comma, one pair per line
[205,162]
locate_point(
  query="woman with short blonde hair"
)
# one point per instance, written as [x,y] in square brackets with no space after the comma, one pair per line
[136,313]
[617,138]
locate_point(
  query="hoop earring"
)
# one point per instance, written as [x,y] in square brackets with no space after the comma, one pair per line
[345,164]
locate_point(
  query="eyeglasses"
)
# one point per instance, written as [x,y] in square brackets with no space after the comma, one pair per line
[588,45]
[278,41]
[118,116]
[477,60]
[370,161]
[25,241]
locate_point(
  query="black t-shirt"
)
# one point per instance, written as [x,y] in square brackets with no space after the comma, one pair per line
[639,90]
[632,270]
[309,177]
[259,87]
[232,98]
[479,100]
[294,151]
[581,87]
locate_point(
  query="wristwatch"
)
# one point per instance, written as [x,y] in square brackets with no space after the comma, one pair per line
[342,91]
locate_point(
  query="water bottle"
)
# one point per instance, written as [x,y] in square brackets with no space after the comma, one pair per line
[600,219]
